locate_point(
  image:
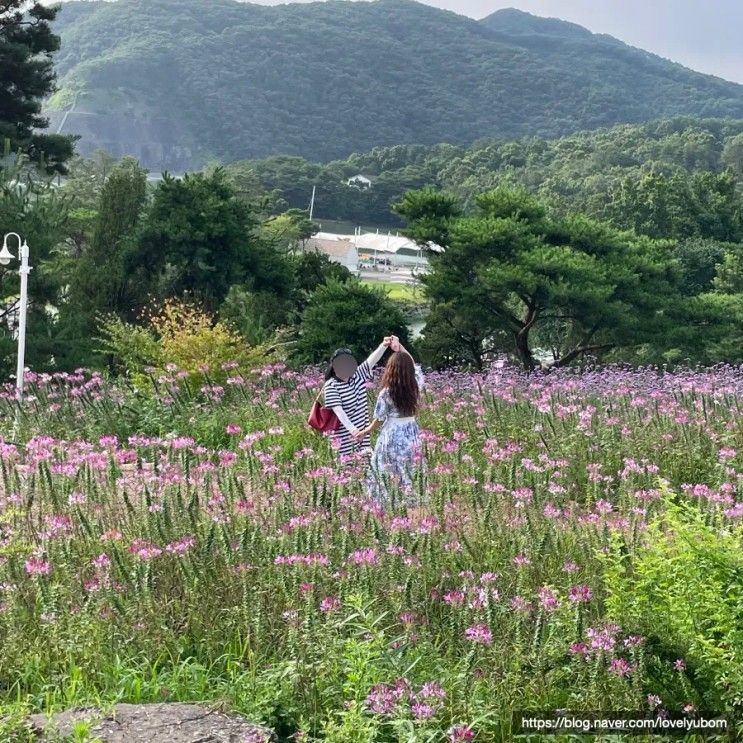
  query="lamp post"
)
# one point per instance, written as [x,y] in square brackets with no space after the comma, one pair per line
[5,258]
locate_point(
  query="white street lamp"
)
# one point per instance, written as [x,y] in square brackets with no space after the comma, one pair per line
[5,258]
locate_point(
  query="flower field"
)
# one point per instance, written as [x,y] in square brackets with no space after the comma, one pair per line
[577,546]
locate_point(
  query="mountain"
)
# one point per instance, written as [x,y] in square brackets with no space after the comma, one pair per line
[178,83]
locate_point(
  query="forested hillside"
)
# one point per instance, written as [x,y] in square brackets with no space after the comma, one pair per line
[581,172]
[177,86]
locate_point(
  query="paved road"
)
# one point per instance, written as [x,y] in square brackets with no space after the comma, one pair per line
[397,276]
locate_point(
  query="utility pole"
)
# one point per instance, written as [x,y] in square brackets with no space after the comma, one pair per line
[312,203]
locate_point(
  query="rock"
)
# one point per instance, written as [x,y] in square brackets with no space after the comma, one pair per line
[153,723]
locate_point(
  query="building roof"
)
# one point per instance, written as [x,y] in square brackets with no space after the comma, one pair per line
[379,242]
[337,248]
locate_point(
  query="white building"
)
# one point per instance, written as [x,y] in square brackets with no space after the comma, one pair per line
[398,250]
[375,248]
[338,248]
[359,181]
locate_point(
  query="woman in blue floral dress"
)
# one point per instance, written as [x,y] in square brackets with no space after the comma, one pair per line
[397,453]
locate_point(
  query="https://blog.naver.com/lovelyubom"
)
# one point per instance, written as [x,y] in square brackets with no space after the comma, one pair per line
[561,722]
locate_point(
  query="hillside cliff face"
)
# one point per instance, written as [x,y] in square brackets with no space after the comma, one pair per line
[158,140]
[177,84]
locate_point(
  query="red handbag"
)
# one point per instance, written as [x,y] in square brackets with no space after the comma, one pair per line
[323,419]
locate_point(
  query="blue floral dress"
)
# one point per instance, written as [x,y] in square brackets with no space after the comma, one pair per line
[397,455]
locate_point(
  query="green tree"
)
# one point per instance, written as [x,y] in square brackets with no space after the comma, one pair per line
[453,339]
[289,230]
[86,177]
[729,276]
[732,155]
[200,238]
[560,289]
[256,315]
[719,319]
[684,205]
[346,315]
[26,79]
[312,270]
[699,260]
[101,283]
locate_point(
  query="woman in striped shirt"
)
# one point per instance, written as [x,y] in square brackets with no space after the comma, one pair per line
[346,394]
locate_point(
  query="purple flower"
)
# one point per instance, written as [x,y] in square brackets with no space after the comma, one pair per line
[329,604]
[620,667]
[479,633]
[518,603]
[580,594]
[367,556]
[654,700]
[460,733]
[602,638]
[422,711]
[38,566]
[432,690]
[102,561]
[548,599]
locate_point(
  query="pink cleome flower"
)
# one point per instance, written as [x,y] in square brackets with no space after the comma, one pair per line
[459,733]
[38,566]
[329,604]
[580,594]
[479,633]
[620,667]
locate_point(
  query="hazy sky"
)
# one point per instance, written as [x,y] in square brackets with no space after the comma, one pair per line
[706,35]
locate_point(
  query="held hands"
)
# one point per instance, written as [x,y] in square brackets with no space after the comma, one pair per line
[358,434]
[392,342]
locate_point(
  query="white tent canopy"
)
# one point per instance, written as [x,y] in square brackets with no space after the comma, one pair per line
[380,243]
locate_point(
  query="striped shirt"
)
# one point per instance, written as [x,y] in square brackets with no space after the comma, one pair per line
[353,397]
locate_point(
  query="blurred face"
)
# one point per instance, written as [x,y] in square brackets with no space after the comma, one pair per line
[344,366]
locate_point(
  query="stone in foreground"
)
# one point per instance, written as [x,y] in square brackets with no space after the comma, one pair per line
[153,723]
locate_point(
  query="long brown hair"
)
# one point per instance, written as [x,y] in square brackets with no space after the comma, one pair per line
[399,379]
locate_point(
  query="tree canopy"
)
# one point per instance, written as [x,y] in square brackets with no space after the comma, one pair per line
[558,289]
[26,78]
[347,315]
[678,166]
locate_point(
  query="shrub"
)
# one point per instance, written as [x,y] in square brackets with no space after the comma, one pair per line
[255,315]
[179,337]
[347,315]
[683,590]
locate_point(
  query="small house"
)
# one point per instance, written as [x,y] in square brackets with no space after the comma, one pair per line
[361,182]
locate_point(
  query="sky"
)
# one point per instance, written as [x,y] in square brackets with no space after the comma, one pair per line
[705,35]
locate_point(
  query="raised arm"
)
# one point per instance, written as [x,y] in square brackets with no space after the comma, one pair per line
[377,353]
[395,345]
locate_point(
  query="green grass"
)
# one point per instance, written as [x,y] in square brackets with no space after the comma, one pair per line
[410,293]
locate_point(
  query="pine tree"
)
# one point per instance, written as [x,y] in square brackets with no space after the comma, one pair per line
[27,77]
